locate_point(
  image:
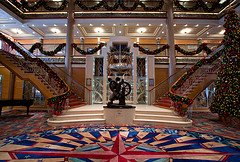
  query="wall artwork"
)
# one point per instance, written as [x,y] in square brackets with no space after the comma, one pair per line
[88,82]
[151,82]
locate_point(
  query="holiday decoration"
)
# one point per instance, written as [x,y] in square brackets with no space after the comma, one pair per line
[26,7]
[208,7]
[226,100]
[202,47]
[199,4]
[120,4]
[48,53]
[94,50]
[154,52]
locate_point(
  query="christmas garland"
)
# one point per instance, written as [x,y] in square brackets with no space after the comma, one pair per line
[181,103]
[58,102]
[154,52]
[94,50]
[48,53]
[203,5]
[202,47]
[25,5]
[120,4]
[14,46]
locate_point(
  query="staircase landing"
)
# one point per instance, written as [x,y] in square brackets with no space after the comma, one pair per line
[144,115]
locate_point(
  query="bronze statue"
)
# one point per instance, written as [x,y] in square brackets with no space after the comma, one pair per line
[120,89]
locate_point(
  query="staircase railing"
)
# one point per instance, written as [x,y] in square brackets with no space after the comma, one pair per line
[178,92]
[161,90]
[83,93]
[38,66]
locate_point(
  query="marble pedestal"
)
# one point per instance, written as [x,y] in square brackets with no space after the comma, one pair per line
[120,115]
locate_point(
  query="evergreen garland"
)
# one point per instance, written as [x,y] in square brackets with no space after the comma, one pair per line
[202,47]
[94,50]
[25,5]
[154,52]
[47,53]
[120,4]
[201,4]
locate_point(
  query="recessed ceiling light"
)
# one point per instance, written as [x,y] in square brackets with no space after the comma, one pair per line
[114,24]
[161,24]
[149,24]
[125,24]
[207,32]
[222,1]
[17,31]
[185,25]
[219,26]
[55,30]
[77,32]
[65,24]
[175,25]
[137,24]
[120,31]
[102,24]
[98,30]
[162,31]
[33,32]
[33,25]
[222,32]
[186,31]
[141,30]
[44,25]
[78,24]
[54,25]
[196,25]
[207,26]
[90,24]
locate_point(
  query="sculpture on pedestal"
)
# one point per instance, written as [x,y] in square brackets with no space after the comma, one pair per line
[119,89]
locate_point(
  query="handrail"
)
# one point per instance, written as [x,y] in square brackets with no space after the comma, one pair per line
[181,102]
[75,86]
[162,89]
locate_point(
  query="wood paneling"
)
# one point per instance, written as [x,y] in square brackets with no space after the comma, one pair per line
[18,88]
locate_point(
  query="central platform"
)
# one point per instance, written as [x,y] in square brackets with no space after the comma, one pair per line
[119,114]
[143,115]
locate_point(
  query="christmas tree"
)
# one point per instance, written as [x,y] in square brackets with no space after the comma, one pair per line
[226,101]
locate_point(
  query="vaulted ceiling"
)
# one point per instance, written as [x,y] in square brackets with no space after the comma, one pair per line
[24,24]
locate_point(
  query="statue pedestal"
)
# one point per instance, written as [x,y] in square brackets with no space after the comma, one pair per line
[119,115]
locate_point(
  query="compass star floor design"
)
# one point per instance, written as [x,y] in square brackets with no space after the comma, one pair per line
[119,144]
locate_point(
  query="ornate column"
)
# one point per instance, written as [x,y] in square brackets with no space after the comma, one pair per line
[170,39]
[70,37]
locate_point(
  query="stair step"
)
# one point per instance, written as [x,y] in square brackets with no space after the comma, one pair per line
[79,121]
[162,122]
[78,116]
[155,112]
[158,117]
[89,111]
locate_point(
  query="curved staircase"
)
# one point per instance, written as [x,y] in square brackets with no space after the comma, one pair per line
[30,71]
[37,72]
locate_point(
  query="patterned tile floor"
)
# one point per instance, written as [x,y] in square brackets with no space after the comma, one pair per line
[29,138]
